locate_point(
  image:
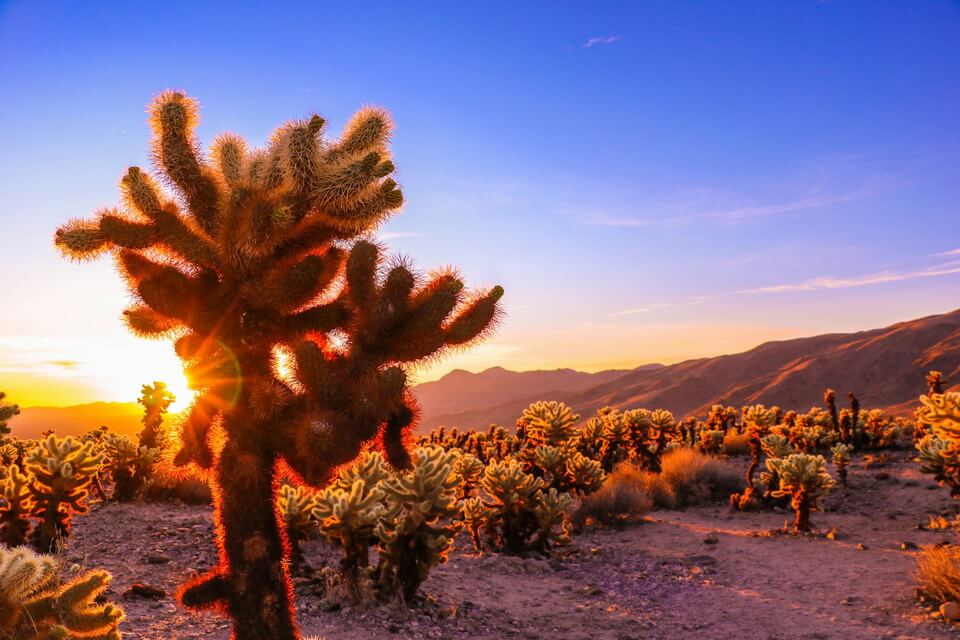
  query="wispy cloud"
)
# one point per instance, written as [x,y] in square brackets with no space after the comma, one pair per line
[812,284]
[816,199]
[599,40]
[952,252]
[393,235]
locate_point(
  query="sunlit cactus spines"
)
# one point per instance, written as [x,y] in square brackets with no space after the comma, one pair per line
[939,452]
[935,382]
[469,470]
[36,605]
[7,411]
[9,454]
[16,506]
[156,400]
[61,470]
[803,479]
[298,510]
[551,423]
[262,250]
[840,456]
[418,526]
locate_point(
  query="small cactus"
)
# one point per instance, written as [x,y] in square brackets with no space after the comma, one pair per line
[550,423]
[130,466]
[803,478]
[841,458]
[34,605]
[62,469]
[16,505]
[7,411]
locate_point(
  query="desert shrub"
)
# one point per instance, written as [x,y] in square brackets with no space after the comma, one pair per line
[622,498]
[694,477]
[62,470]
[938,572]
[36,605]
[803,478]
[736,444]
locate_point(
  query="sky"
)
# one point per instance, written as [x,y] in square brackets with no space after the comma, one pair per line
[649,181]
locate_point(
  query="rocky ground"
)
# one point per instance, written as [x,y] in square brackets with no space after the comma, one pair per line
[705,573]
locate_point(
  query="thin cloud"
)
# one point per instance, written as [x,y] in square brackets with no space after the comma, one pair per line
[741,214]
[599,40]
[814,284]
[952,252]
[66,364]
[393,235]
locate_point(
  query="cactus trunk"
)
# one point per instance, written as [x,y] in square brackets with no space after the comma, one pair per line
[258,588]
[801,505]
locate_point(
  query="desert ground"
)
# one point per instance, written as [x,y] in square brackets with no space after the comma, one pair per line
[705,572]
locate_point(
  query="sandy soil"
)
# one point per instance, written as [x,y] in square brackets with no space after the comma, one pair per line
[657,579]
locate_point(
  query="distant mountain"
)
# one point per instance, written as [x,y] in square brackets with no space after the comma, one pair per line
[122,417]
[885,367]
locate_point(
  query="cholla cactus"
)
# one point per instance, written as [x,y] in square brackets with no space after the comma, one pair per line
[62,470]
[551,423]
[469,471]
[803,478]
[940,451]
[156,400]
[841,458]
[830,400]
[348,512]
[477,518]
[417,528]
[298,511]
[16,505]
[711,441]
[130,466]
[35,606]
[262,251]
[759,418]
[521,516]
[9,454]
[7,411]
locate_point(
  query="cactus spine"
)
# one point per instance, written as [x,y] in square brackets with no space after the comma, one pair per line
[261,250]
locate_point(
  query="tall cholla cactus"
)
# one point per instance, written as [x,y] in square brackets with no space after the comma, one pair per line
[62,470]
[260,251]
[16,506]
[35,606]
[156,400]
[803,478]
[7,411]
[413,538]
[298,510]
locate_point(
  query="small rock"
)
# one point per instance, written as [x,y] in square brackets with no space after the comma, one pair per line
[592,591]
[950,611]
[908,546]
[157,558]
[711,539]
[140,590]
[862,547]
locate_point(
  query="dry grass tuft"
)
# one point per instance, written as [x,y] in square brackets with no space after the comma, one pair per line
[695,478]
[938,572]
[623,498]
[736,444]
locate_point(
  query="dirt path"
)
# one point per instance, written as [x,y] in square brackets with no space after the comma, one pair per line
[659,579]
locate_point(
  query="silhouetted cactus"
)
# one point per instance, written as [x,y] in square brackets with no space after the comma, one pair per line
[16,505]
[7,411]
[156,400]
[34,605]
[803,478]
[830,399]
[253,255]
[61,471]
[130,466]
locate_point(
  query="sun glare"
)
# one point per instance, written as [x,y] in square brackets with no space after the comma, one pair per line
[122,371]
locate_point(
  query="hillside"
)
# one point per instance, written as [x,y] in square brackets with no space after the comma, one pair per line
[122,417]
[884,367]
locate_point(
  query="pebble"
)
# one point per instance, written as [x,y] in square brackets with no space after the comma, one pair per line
[950,611]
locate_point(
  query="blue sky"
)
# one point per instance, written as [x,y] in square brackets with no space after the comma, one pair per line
[650,181]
